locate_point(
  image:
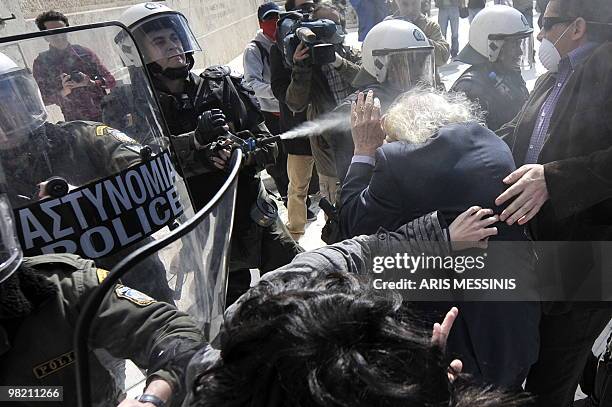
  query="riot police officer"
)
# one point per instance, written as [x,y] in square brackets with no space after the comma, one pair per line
[40,300]
[211,104]
[396,56]
[494,50]
[34,151]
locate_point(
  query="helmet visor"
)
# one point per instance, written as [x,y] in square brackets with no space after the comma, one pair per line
[10,250]
[510,48]
[166,39]
[22,110]
[515,52]
[405,69]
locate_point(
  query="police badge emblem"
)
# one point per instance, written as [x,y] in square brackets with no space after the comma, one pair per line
[134,296]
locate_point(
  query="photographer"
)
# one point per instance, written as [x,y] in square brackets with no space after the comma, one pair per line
[69,75]
[319,89]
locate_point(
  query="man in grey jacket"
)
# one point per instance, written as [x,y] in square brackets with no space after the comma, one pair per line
[275,369]
[256,61]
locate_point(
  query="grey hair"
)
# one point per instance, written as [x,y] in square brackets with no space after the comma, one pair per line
[417,114]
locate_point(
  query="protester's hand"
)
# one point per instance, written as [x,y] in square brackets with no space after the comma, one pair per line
[455,369]
[302,52]
[441,331]
[472,228]
[439,336]
[366,127]
[530,192]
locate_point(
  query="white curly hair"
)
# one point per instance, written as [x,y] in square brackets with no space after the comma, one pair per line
[417,114]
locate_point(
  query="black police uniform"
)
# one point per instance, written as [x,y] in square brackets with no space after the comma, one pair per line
[252,246]
[500,92]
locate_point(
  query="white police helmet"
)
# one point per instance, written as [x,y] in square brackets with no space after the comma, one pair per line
[398,53]
[491,27]
[144,20]
[21,110]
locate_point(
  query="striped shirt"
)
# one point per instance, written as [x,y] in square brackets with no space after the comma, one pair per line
[567,66]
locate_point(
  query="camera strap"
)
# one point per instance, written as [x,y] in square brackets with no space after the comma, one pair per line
[265,55]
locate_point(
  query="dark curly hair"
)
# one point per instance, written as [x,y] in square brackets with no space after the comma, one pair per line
[306,340]
[50,15]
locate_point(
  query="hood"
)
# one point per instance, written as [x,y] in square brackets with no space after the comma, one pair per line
[261,37]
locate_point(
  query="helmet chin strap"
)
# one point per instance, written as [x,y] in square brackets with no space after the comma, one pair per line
[173,73]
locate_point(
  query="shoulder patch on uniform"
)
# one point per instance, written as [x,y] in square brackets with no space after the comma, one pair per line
[114,133]
[134,296]
[102,274]
[53,365]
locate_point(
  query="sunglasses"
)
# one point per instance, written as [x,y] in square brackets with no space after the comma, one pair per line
[547,23]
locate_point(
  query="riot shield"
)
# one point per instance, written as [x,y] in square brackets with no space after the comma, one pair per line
[196,258]
[76,183]
[79,185]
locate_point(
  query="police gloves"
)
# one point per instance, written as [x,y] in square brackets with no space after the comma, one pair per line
[211,125]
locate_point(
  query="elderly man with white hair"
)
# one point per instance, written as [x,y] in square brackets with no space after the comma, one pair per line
[437,155]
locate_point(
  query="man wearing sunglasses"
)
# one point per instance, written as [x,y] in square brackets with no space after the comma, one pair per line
[562,144]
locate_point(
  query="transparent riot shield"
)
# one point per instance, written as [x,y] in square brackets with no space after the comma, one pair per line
[195,256]
[90,172]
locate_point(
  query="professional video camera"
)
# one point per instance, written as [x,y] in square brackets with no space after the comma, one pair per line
[320,36]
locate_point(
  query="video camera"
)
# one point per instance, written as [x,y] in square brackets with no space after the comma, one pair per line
[320,36]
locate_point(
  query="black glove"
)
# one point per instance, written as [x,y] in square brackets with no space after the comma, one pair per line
[211,124]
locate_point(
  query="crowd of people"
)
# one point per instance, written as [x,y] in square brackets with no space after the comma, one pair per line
[420,170]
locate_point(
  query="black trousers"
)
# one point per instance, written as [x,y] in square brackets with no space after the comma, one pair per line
[277,249]
[565,345]
[278,171]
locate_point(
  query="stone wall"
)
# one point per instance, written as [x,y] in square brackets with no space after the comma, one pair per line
[32,7]
[222,27]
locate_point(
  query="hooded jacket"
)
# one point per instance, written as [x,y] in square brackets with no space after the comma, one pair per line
[257,71]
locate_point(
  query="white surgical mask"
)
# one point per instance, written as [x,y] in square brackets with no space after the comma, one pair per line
[548,54]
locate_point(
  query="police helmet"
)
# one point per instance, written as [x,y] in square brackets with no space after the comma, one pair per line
[490,29]
[22,109]
[398,53]
[147,19]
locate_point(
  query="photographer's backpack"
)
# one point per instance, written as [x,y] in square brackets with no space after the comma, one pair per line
[239,102]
